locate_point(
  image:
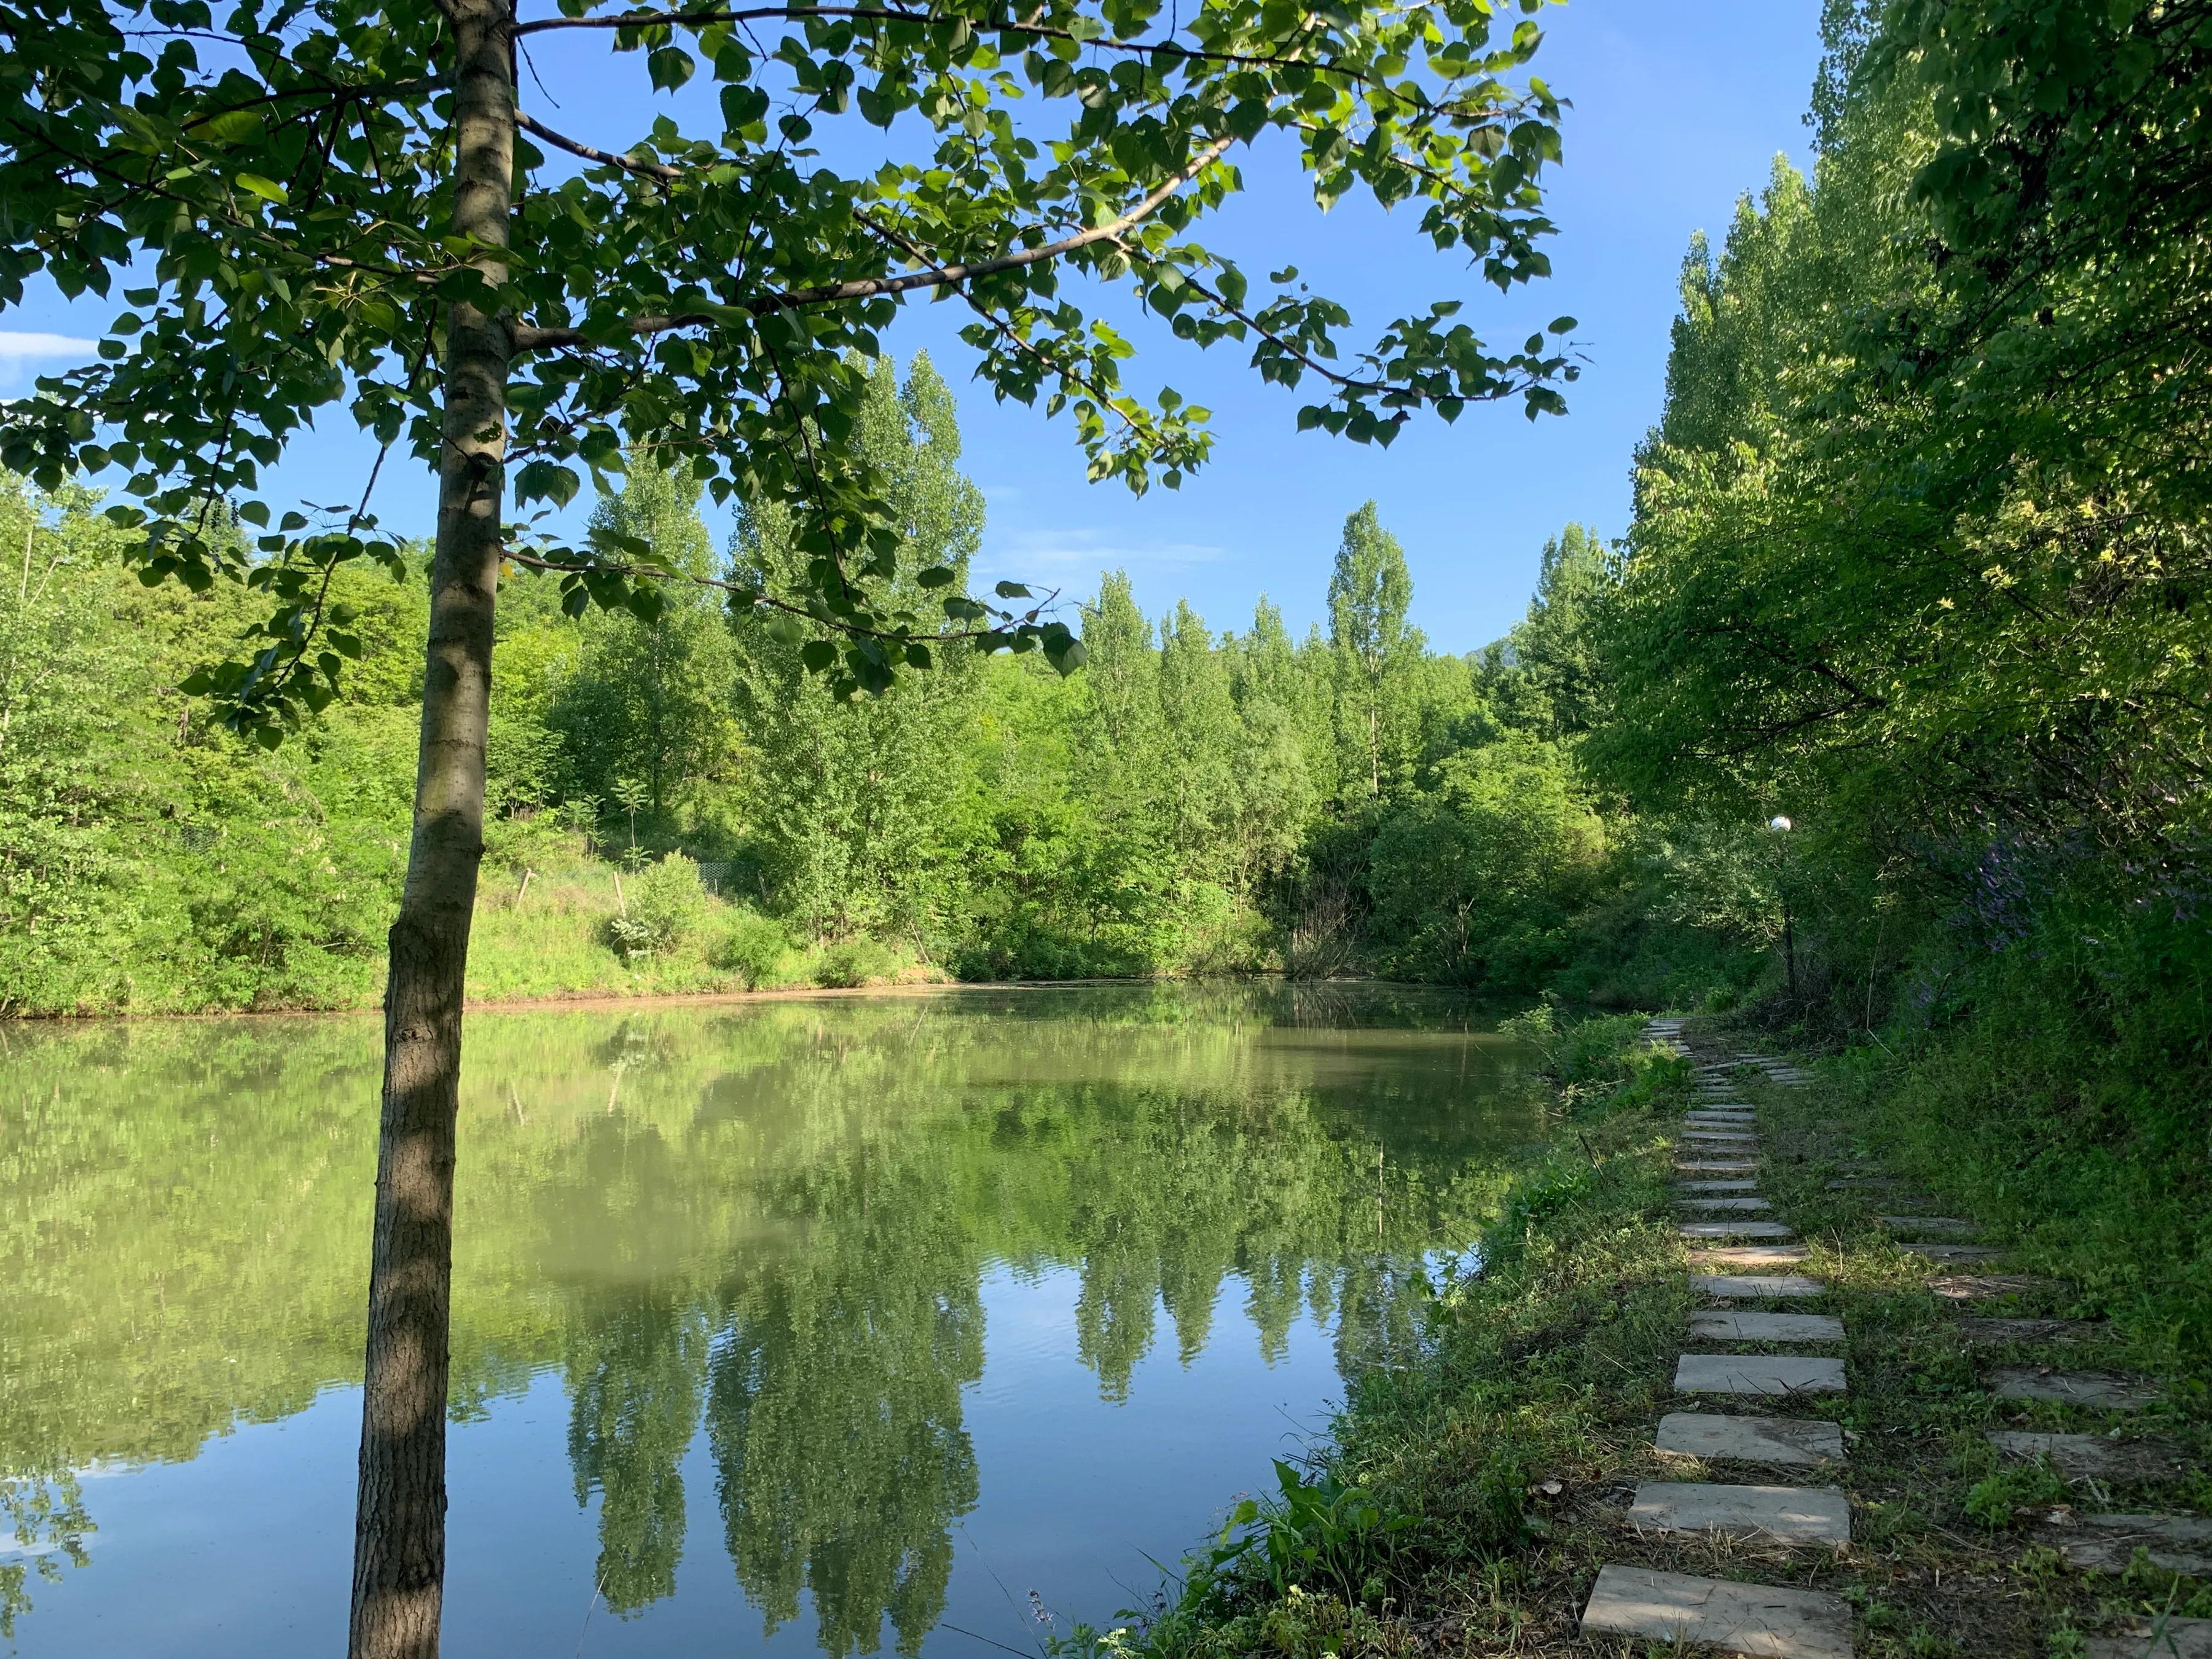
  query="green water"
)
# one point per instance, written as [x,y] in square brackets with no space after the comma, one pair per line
[824,1325]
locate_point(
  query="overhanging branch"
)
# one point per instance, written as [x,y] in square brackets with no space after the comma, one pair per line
[529,338]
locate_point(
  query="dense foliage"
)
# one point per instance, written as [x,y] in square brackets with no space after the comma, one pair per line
[1192,801]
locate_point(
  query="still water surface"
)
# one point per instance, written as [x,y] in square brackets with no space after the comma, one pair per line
[816,1327]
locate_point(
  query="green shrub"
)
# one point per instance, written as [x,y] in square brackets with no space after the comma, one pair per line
[856,962]
[751,945]
[667,906]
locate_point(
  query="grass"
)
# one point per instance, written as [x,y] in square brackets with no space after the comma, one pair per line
[550,940]
[1495,1475]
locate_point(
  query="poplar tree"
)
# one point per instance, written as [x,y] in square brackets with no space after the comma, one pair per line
[1368,594]
[333,208]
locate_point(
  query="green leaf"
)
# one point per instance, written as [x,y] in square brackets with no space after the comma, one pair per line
[268,189]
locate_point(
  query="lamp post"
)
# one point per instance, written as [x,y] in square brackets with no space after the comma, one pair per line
[1781,827]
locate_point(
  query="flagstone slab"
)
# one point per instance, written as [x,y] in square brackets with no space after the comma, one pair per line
[1719,1439]
[1715,1165]
[2096,1458]
[1739,1205]
[1720,1140]
[1717,1186]
[2104,1390]
[1967,1287]
[1727,1325]
[1733,1230]
[1757,1374]
[1750,1255]
[1780,1515]
[2176,1543]
[1927,1224]
[1952,1252]
[1760,1621]
[2157,1638]
[1990,1332]
[1750,1287]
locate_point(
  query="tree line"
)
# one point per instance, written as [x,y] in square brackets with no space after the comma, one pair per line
[1192,801]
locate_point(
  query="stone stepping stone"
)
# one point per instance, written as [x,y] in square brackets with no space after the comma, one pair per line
[1721,1140]
[1750,1255]
[1739,1121]
[1726,1324]
[1741,1206]
[2156,1638]
[1989,1332]
[2176,1543]
[1927,1224]
[1717,1439]
[1715,1165]
[1757,1374]
[2101,1390]
[1952,1252]
[1967,1287]
[1757,1620]
[1733,1230]
[1748,1287]
[2094,1457]
[1780,1515]
[1717,1186]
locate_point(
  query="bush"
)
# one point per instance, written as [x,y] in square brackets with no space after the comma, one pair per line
[855,963]
[751,945]
[667,905]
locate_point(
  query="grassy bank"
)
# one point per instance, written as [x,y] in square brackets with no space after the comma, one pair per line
[1467,1504]
[1428,1521]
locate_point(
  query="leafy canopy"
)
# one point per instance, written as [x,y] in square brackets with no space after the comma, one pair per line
[271,192]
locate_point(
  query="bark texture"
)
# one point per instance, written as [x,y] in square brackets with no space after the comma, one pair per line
[399,1537]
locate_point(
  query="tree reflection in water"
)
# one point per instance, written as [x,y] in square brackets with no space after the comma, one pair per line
[771,1221]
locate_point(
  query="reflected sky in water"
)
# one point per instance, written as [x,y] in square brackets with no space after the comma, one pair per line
[826,1326]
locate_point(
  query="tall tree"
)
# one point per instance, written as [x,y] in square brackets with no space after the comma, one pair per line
[1199,719]
[1368,593]
[1554,686]
[347,203]
[849,798]
[649,697]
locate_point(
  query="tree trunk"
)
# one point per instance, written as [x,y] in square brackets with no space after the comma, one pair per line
[399,1536]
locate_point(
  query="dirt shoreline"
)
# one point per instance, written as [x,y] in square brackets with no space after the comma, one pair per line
[580,1000]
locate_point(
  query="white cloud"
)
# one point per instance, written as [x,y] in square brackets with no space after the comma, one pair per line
[18,346]
[1040,551]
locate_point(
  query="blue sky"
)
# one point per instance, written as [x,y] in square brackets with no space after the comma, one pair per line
[1678,109]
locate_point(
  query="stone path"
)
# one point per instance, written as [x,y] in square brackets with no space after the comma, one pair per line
[1717,1170]
[1729,1228]
[2164,1638]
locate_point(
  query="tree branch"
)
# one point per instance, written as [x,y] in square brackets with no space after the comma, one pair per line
[528,339]
[537,129]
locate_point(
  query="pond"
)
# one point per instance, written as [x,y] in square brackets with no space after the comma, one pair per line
[829,1325]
